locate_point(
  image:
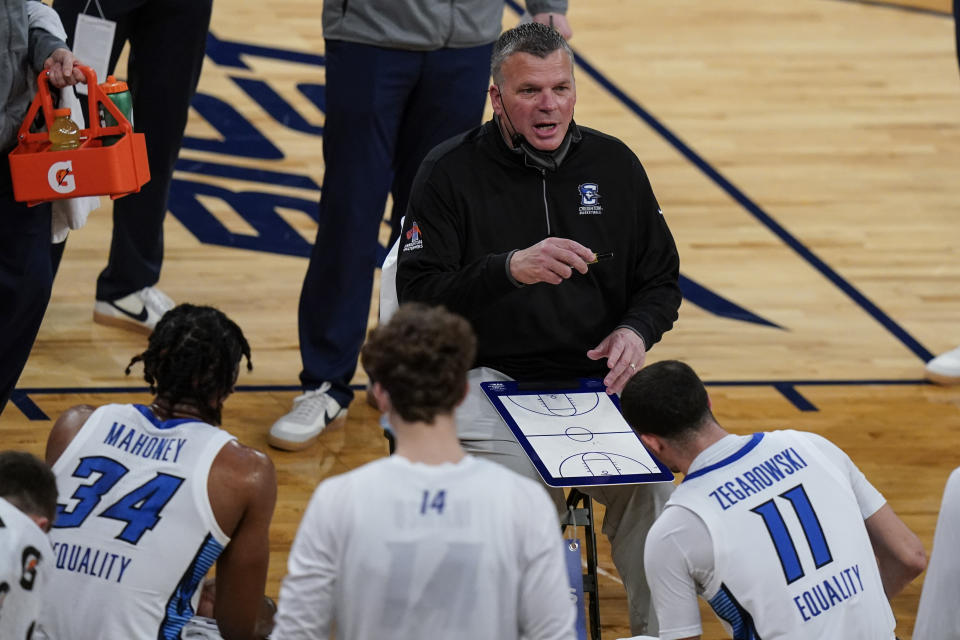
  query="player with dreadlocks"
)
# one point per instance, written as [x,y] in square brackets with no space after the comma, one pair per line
[152,495]
[192,360]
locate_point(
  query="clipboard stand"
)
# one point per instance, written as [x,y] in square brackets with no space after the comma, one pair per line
[580,514]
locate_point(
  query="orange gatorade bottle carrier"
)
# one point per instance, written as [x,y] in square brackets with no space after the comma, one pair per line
[92,169]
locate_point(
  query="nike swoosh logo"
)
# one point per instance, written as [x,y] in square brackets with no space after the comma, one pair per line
[328,418]
[139,317]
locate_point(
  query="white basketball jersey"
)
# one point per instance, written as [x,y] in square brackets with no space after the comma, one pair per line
[401,550]
[938,616]
[792,556]
[135,533]
[25,558]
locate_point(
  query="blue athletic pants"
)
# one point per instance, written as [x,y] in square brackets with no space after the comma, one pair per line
[385,109]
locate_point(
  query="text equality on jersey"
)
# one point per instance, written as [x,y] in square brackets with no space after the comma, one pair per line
[89,561]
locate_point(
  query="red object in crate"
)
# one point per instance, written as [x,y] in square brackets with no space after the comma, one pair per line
[40,175]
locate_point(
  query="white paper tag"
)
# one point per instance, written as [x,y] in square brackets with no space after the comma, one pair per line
[92,43]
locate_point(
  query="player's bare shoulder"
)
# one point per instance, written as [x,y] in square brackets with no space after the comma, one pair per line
[65,428]
[244,465]
[241,479]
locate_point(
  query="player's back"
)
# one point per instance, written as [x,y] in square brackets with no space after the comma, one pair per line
[135,533]
[25,559]
[466,551]
[792,556]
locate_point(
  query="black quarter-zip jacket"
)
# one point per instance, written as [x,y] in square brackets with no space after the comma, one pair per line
[475,200]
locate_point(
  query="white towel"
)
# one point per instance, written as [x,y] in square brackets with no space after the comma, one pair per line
[200,628]
[388,282]
[70,213]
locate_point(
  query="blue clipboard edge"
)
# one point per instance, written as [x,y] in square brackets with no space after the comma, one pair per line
[494,390]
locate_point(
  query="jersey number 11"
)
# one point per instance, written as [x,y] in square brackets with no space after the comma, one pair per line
[783,542]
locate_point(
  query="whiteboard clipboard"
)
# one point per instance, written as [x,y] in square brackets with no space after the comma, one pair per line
[575,436]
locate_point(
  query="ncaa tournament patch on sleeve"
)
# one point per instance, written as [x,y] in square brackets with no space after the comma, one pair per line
[414,238]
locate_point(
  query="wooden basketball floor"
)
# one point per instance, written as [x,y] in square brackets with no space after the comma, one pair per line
[806,154]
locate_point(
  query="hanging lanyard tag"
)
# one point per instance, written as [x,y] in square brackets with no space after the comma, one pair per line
[92,43]
[571,551]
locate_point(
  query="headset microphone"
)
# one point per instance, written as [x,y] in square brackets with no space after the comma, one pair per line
[548,160]
[516,138]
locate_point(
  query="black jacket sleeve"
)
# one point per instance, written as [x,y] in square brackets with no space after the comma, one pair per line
[432,266]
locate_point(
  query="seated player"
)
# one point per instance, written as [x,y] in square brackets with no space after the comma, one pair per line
[28,504]
[778,531]
[430,542]
[152,495]
[938,616]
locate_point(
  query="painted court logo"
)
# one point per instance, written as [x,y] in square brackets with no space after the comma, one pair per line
[60,177]
[414,239]
[589,199]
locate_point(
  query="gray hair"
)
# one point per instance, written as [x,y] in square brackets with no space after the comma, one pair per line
[534,38]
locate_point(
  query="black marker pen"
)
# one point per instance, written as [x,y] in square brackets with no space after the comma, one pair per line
[604,255]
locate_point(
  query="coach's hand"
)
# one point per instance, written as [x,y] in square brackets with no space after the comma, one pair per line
[551,260]
[625,354]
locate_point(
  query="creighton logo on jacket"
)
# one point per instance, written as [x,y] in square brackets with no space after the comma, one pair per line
[589,199]
[792,558]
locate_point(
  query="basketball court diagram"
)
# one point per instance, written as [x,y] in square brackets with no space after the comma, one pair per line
[578,435]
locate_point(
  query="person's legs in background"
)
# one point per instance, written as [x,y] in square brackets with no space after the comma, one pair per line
[167,46]
[26,279]
[359,141]
[375,137]
[448,100]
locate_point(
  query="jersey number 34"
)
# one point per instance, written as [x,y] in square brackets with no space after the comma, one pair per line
[139,508]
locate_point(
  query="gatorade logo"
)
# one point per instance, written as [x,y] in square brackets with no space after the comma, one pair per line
[60,177]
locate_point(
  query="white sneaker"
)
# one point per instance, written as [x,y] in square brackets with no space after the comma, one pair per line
[139,311]
[311,414]
[945,368]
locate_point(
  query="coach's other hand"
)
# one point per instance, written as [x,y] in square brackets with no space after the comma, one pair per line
[625,354]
